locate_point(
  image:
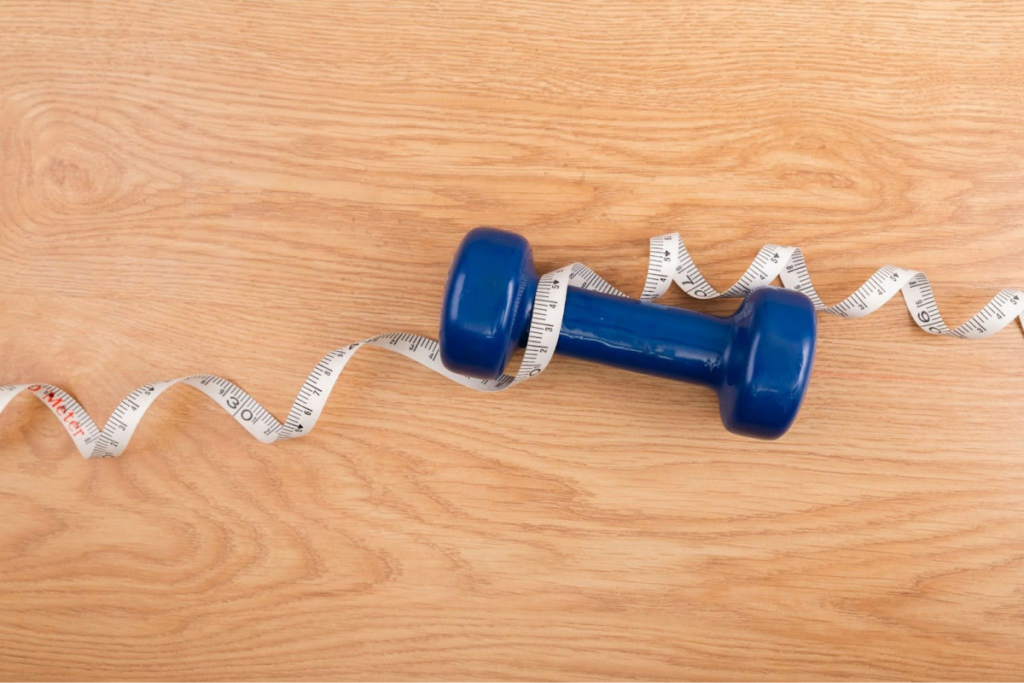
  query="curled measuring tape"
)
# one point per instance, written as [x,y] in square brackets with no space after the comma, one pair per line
[669,262]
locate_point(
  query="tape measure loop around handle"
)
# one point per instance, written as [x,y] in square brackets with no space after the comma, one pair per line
[668,262]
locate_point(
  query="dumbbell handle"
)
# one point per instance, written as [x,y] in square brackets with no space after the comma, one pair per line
[643,337]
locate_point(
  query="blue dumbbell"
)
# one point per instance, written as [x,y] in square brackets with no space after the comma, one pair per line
[758,360]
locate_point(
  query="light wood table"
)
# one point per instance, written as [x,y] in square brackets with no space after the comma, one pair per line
[238,188]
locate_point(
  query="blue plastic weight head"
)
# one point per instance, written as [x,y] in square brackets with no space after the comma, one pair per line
[758,360]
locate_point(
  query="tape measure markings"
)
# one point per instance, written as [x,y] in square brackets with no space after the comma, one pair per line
[668,262]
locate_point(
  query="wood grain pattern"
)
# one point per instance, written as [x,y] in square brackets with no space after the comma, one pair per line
[236,188]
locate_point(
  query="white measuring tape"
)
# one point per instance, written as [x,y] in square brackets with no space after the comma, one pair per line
[669,262]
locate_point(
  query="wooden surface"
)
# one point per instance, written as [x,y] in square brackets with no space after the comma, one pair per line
[237,188]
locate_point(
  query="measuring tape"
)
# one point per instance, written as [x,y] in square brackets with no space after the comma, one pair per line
[669,262]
